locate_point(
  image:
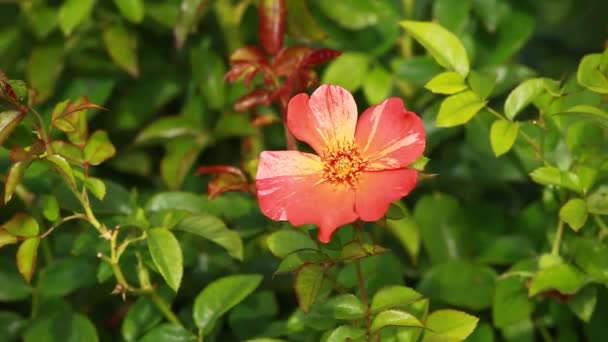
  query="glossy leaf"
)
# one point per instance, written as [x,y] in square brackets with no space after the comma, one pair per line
[561,277]
[511,304]
[590,76]
[394,318]
[307,285]
[448,83]
[15,288]
[26,257]
[74,12]
[208,70]
[13,179]
[50,207]
[63,167]
[44,67]
[458,109]
[394,296]
[9,120]
[167,128]
[583,304]
[481,84]
[298,258]
[586,112]
[378,85]
[213,229]
[407,232]
[220,296]
[98,148]
[132,10]
[443,45]
[96,186]
[284,242]
[179,159]
[597,202]
[167,255]
[592,257]
[65,276]
[344,333]
[352,15]
[522,96]
[574,213]
[141,317]
[121,45]
[169,332]
[548,175]
[344,307]
[356,250]
[348,70]
[503,135]
[449,325]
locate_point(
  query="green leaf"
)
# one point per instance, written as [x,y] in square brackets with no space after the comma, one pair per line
[13,179]
[26,257]
[522,96]
[352,15]
[14,287]
[453,15]
[589,74]
[561,277]
[167,128]
[167,255]
[503,135]
[96,186]
[449,282]
[511,304]
[9,120]
[574,213]
[349,71]
[132,10]
[597,202]
[98,148]
[208,69]
[121,45]
[180,156]
[300,22]
[514,30]
[416,70]
[396,318]
[169,332]
[64,168]
[220,296]
[286,241]
[66,275]
[11,325]
[506,250]
[443,45]
[586,112]
[250,318]
[592,257]
[344,333]
[72,13]
[50,207]
[141,317]
[448,82]
[22,225]
[458,109]
[213,229]
[481,84]
[308,282]
[378,85]
[583,304]
[294,260]
[356,250]
[189,14]
[548,175]
[6,238]
[344,307]
[449,325]
[395,296]
[44,67]
[61,326]
[441,225]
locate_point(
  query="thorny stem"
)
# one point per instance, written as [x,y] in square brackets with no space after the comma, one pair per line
[558,238]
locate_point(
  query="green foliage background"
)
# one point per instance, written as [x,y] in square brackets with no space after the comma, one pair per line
[476,237]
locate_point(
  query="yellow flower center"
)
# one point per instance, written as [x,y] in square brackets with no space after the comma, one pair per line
[343,164]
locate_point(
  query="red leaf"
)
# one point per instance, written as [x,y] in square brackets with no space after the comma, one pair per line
[249,54]
[265,120]
[271,26]
[255,98]
[246,63]
[216,169]
[81,104]
[227,178]
[320,56]
[288,60]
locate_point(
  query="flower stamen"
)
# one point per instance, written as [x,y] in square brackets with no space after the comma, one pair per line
[343,165]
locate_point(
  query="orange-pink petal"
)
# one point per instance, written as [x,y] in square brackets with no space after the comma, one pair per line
[327,118]
[378,189]
[389,136]
[290,187]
